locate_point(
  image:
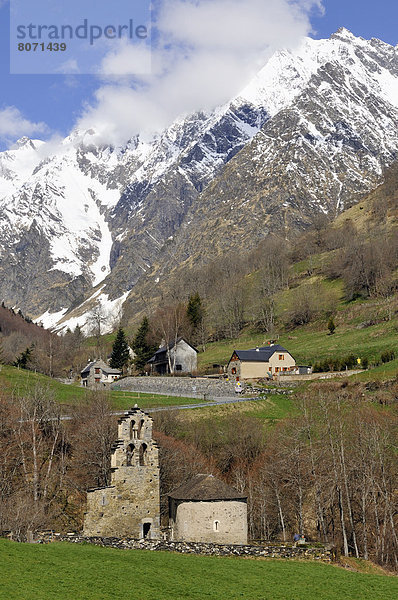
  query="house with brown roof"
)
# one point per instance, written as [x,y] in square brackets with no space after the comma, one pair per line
[266,362]
[205,509]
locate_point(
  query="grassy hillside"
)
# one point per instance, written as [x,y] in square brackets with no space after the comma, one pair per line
[311,343]
[321,266]
[269,410]
[58,571]
[20,382]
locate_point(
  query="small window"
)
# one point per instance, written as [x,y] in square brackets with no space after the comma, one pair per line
[178,367]
[97,380]
[216,526]
[97,371]
[103,501]
[281,357]
[233,371]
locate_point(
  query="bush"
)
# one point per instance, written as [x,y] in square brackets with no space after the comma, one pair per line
[349,362]
[336,364]
[387,356]
[331,326]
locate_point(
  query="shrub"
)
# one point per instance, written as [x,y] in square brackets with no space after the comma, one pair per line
[336,364]
[349,361]
[387,356]
[331,326]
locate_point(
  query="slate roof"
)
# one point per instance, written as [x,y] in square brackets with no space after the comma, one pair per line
[261,355]
[163,349]
[206,487]
[101,365]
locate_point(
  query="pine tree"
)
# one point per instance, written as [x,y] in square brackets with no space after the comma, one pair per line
[195,310]
[141,347]
[120,351]
[22,361]
[78,337]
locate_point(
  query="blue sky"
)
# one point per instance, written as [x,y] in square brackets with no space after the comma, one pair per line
[58,101]
[365,18]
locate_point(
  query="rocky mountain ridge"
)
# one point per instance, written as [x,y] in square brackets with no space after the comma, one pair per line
[83,224]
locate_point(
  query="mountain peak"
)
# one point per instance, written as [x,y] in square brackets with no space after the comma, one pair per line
[267,161]
[343,34]
[24,141]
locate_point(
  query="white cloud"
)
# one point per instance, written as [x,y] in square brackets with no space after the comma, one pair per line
[125,59]
[13,125]
[204,53]
[69,67]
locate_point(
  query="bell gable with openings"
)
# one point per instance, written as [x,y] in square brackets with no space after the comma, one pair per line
[130,506]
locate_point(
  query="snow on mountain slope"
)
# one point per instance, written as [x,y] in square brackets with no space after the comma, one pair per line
[18,164]
[333,133]
[67,205]
[109,312]
[314,128]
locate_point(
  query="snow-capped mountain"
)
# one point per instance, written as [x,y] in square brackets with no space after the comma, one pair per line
[84,224]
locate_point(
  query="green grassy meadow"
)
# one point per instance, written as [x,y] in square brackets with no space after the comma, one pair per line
[311,343]
[274,407]
[84,572]
[19,382]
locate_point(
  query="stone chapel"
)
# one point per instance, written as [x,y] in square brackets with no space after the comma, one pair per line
[130,506]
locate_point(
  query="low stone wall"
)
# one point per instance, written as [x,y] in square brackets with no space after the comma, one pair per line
[189,387]
[324,553]
[287,378]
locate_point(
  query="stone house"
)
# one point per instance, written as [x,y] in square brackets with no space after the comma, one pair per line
[130,506]
[98,374]
[265,362]
[175,357]
[208,510]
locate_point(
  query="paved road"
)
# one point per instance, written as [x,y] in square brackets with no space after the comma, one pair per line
[215,402]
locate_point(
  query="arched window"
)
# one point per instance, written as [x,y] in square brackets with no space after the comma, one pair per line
[129,454]
[133,432]
[216,526]
[140,427]
[142,454]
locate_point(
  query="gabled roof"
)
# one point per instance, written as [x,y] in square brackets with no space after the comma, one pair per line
[100,364]
[163,349]
[206,487]
[259,355]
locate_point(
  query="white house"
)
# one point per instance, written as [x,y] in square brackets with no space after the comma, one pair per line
[98,374]
[175,357]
